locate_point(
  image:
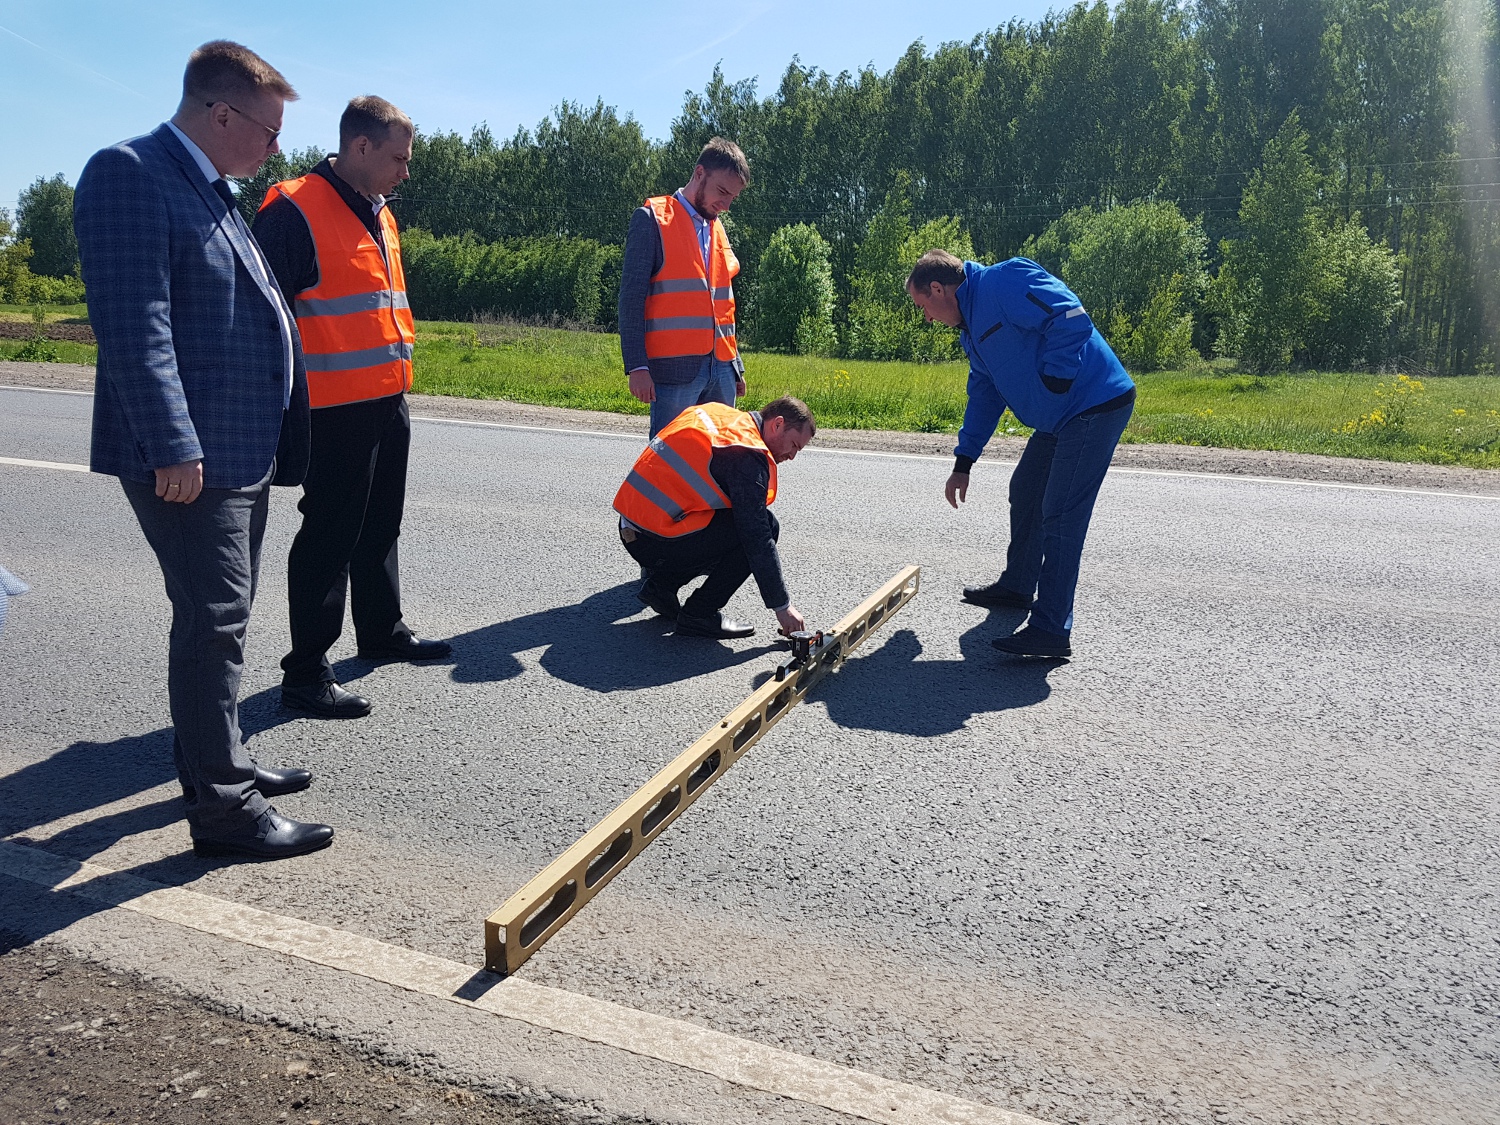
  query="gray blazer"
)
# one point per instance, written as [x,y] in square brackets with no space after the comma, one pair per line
[190,352]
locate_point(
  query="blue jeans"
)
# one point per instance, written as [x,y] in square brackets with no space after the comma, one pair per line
[1052,493]
[714,383]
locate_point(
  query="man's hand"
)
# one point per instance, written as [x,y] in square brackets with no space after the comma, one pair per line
[957,488]
[180,484]
[641,385]
[739,386]
[791,621]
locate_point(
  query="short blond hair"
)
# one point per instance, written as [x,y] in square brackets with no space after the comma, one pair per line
[221,70]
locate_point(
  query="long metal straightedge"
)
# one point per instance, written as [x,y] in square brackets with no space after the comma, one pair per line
[552,899]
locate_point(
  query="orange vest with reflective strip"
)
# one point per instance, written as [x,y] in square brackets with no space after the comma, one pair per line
[670,491]
[356,324]
[690,311]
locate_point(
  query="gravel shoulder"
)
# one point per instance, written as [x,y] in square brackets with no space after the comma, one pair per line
[81,1043]
[1171,458]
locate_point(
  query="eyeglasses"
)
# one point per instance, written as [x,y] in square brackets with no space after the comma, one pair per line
[272,134]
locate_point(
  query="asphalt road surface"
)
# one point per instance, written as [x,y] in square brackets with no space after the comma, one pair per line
[1237,861]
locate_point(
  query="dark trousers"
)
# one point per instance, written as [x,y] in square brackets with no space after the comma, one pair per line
[351,508]
[1052,494]
[209,553]
[716,551]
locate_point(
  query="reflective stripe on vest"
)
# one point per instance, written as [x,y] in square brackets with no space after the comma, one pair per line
[355,361]
[690,309]
[356,322]
[671,491]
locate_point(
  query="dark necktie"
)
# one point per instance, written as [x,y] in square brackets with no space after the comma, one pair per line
[225,193]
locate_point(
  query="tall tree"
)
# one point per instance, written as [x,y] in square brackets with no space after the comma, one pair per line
[44,215]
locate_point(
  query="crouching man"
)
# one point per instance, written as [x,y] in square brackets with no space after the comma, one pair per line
[1031,348]
[697,503]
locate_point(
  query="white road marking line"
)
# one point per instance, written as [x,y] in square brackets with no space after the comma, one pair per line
[47,391]
[946,458]
[741,1061]
[23,463]
[1184,473]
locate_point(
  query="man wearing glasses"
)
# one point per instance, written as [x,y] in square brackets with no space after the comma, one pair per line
[200,405]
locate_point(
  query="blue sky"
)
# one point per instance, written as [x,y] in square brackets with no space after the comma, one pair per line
[76,75]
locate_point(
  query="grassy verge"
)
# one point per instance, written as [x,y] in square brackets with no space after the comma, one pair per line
[49,351]
[78,314]
[1449,421]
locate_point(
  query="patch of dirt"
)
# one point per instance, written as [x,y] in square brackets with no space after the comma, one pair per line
[1170,458]
[81,1044]
[55,330]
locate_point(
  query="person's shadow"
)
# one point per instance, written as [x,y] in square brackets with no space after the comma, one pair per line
[603,643]
[87,776]
[889,689]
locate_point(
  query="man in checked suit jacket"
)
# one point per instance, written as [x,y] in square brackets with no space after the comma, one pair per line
[200,405]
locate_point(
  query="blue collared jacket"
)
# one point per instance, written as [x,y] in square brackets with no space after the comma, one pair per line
[1031,347]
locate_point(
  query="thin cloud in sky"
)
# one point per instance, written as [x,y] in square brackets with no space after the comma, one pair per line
[72,62]
[726,37]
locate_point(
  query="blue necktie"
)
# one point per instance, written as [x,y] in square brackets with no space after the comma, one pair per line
[225,193]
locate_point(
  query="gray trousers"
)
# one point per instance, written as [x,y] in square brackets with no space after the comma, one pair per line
[209,553]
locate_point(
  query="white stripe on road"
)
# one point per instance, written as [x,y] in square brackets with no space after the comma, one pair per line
[23,463]
[1187,474]
[741,1061]
[948,458]
[48,391]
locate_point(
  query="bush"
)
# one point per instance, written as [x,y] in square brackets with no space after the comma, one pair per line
[1296,287]
[883,321]
[795,294]
[1160,337]
[1138,269]
[18,285]
[459,277]
[1358,294]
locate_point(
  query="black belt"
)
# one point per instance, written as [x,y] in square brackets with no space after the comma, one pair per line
[1116,403]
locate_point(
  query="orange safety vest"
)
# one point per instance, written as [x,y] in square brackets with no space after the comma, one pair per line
[356,323]
[690,311]
[670,491]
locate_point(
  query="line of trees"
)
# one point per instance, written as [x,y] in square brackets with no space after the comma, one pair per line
[1292,182]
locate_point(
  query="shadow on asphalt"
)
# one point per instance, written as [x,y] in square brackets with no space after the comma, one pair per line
[593,645]
[87,776]
[889,689]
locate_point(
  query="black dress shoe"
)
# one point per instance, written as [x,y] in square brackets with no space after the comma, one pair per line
[326,700]
[1031,641]
[996,596]
[662,600]
[270,782]
[412,648]
[719,627]
[269,836]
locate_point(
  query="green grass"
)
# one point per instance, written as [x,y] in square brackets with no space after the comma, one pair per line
[1448,421]
[1309,412]
[77,313]
[53,351]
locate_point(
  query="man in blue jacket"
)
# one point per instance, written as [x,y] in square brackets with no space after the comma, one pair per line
[200,405]
[1031,348]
